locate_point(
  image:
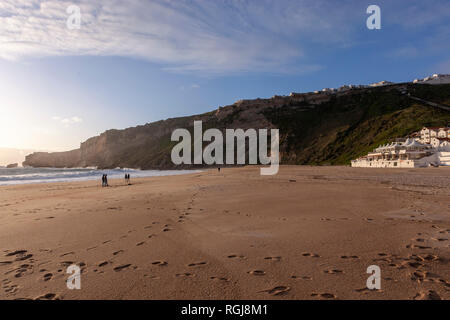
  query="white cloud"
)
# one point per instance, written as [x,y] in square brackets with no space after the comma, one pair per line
[67,121]
[202,36]
[183,36]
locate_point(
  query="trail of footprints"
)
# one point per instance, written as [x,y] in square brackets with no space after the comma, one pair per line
[416,263]
[24,264]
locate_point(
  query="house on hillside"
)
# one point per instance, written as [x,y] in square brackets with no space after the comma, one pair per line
[429,146]
[444,133]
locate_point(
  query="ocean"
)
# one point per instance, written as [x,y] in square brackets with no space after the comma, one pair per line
[47,175]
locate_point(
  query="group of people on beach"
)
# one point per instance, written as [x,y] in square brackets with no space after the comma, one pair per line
[105,180]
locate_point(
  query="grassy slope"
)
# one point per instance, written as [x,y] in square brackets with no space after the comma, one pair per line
[350,126]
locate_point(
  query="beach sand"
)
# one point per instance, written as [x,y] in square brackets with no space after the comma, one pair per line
[306,233]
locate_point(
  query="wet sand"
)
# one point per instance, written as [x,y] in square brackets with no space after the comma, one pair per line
[306,233]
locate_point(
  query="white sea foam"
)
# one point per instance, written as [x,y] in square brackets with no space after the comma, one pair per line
[46,175]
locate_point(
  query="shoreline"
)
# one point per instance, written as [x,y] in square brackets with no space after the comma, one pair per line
[44,178]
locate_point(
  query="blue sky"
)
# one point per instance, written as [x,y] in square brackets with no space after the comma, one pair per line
[141,61]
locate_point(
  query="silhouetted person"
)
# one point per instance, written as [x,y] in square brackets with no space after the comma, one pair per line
[128,178]
[218,169]
[106,180]
[103,181]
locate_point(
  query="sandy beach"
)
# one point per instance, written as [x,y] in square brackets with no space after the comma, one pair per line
[306,233]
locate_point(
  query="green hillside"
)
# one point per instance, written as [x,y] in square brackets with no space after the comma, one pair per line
[348,127]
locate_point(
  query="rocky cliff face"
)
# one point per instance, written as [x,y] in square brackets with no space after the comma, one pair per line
[319,128]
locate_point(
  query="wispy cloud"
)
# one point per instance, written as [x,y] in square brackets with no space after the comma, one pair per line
[183,35]
[67,121]
[200,36]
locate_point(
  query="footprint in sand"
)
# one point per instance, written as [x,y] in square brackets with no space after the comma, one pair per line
[302,277]
[20,255]
[413,246]
[102,264]
[439,239]
[48,276]
[324,295]
[235,256]
[278,291]
[159,263]
[48,296]
[219,279]
[184,275]
[10,288]
[429,257]
[21,271]
[414,264]
[333,271]
[67,253]
[140,244]
[118,252]
[120,268]
[312,255]
[429,295]
[273,258]
[196,264]
[349,257]
[257,272]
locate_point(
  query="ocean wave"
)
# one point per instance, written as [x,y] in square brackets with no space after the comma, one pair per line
[46,175]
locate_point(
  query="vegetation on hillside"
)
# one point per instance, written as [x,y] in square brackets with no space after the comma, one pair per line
[350,126]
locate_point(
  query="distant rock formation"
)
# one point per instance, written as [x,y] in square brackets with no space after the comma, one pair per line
[12,166]
[315,128]
[12,155]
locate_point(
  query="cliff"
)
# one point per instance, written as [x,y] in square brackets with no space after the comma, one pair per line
[321,128]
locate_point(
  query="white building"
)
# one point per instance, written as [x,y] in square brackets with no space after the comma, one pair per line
[434,79]
[426,134]
[381,84]
[407,154]
[444,133]
[441,144]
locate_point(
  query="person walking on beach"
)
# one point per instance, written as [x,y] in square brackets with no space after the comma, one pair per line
[103,181]
[106,180]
